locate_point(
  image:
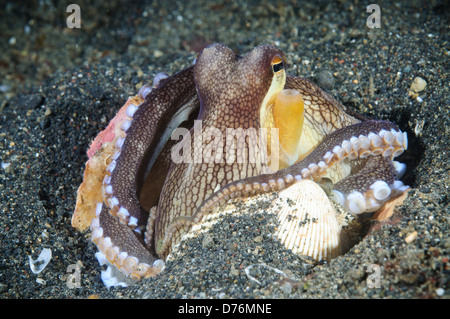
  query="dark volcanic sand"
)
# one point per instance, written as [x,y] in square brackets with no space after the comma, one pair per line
[59,87]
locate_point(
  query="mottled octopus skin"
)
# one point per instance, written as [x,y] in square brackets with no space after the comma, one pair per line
[229,91]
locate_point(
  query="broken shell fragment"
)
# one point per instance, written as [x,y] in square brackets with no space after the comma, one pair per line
[41,262]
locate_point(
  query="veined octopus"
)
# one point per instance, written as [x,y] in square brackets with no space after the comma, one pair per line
[246,128]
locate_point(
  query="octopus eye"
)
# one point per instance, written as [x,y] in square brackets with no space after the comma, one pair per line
[277,64]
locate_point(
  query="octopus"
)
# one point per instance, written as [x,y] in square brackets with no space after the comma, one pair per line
[227,127]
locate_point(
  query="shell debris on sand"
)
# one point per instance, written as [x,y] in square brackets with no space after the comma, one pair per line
[306,221]
[39,264]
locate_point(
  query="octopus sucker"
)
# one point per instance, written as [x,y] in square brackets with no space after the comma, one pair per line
[229,127]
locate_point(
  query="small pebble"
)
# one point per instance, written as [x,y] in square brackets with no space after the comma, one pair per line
[406,69]
[5,88]
[258,239]
[410,237]
[325,79]
[157,53]
[6,166]
[286,287]
[418,85]
[234,271]
[207,242]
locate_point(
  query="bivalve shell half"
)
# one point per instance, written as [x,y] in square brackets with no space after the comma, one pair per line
[308,223]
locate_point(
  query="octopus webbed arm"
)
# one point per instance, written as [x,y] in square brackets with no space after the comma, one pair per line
[373,180]
[143,133]
[155,179]
[306,87]
[119,245]
[117,228]
[360,140]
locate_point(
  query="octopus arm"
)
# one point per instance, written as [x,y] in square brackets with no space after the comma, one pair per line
[149,124]
[118,228]
[358,142]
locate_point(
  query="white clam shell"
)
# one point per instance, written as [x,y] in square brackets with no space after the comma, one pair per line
[308,221]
